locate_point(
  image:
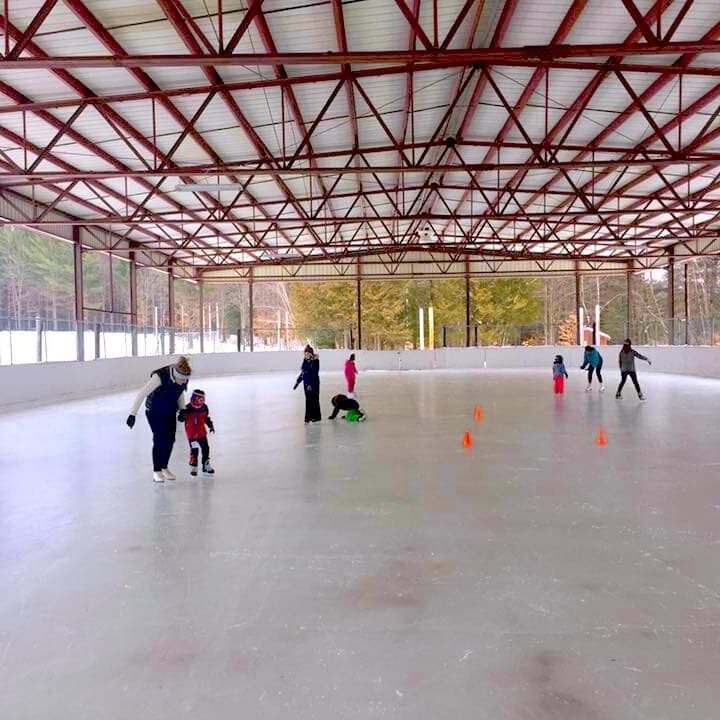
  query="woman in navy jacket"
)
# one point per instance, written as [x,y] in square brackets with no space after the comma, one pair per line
[310,378]
[164,396]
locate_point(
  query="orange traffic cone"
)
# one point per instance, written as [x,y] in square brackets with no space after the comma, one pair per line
[601,438]
[467,439]
[478,414]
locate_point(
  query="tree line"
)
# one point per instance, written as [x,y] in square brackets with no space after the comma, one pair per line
[36,279]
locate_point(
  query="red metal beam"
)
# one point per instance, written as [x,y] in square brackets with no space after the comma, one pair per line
[460,19]
[111,116]
[666,129]
[487,56]
[214,78]
[106,38]
[577,231]
[115,98]
[341,39]
[574,111]
[60,133]
[640,21]
[459,252]
[331,171]
[497,39]
[573,251]
[254,7]
[559,193]
[293,223]
[413,21]
[678,19]
[31,29]
[561,33]
[297,114]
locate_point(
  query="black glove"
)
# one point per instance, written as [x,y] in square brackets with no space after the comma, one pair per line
[295,385]
[211,425]
[181,415]
[130,422]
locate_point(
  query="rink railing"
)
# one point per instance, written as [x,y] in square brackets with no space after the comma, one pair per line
[38,339]
[39,383]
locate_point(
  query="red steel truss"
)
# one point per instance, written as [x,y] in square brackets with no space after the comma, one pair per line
[438,129]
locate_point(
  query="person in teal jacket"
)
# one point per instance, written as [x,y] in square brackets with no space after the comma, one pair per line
[592,360]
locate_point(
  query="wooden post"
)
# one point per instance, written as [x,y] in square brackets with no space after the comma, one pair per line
[628,309]
[578,300]
[201,303]
[686,303]
[671,296]
[251,316]
[133,305]
[79,304]
[171,309]
[358,304]
[38,338]
[467,303]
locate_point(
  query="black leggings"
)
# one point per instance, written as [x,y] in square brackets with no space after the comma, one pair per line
[204,446]
[633,376]
[163,430]
[598,372]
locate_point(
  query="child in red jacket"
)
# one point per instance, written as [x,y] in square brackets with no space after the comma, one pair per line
[196,416]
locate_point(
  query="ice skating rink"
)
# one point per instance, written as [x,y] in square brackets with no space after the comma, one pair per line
[368,571]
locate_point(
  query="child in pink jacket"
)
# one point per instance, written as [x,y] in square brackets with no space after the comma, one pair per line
[350,375]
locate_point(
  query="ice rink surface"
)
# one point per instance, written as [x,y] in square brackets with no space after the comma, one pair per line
[374,570]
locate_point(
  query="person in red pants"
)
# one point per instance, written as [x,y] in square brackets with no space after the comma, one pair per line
[559,375]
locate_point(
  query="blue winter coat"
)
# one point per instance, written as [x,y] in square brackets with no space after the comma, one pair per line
[559,370]
[310,374]
[592,358]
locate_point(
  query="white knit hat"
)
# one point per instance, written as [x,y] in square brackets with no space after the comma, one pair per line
[177,376]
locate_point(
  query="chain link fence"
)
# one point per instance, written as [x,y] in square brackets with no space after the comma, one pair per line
[38,339]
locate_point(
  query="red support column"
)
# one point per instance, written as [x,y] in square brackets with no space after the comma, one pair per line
[201,303]
[358,302]
[79,294]
[251,312]
[671,296]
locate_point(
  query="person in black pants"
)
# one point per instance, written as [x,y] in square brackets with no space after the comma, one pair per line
[627,368]
[344,403]
[592,360]
[164,396]
[310,378]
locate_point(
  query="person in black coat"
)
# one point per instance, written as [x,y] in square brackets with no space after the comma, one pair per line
[310,378]
[164,396]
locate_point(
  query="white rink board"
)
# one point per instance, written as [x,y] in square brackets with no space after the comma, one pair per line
[49,382]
